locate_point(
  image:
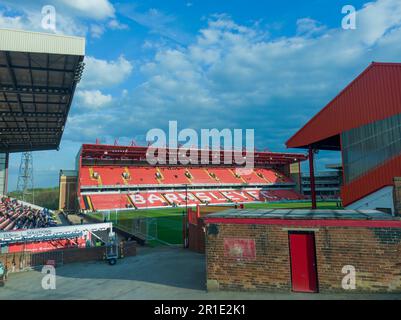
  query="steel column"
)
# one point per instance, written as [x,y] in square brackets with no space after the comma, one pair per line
[312,178]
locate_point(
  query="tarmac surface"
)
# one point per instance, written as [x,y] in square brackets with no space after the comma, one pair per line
[154,274]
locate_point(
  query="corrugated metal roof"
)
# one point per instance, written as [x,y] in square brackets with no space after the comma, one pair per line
[374,95]
[36,42]
[38,76]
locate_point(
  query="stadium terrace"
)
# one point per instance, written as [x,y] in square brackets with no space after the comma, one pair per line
[119,178]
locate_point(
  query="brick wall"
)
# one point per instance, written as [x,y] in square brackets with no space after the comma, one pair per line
[196,226]
[374,252]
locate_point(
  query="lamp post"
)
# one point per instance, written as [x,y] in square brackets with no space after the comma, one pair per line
[186,198]
[185,218]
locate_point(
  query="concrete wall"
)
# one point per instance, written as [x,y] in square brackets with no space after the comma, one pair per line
[374,252]
[68,193]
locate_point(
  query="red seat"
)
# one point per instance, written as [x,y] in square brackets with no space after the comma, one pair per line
[174,176]
[201,176]
[225,175]
[109,201]
[110,176]
[141,175]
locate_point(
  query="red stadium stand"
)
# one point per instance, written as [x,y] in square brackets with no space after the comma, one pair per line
[117,177]
[17,216]
[173,175]
[87,178]
[109,175]
[200,176]
[254,178]
[273,176]
[224,175]
[109,201]
[113,176]
[143,200]
[142,175]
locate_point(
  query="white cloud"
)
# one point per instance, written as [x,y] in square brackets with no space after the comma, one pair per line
[96,30]
[157,22]
[80,17]
[10,22]
[92,99]
[116,25]
[239,76]
[232,65]
[97,9]
[309,27]
[102,73]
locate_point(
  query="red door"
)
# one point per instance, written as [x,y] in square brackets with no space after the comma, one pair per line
[303,262]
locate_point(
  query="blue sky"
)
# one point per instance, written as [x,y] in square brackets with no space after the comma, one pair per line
[263,65]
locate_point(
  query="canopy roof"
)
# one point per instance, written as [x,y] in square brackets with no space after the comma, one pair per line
[374,95]
[110,154]
[38,76]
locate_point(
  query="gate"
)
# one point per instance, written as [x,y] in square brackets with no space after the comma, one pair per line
[44,258]
[26,260]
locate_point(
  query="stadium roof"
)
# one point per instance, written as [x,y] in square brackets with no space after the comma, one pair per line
[112,153]
[374,95]
[38,76]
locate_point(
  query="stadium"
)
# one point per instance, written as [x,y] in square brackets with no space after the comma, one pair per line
[248,230]
[113,177]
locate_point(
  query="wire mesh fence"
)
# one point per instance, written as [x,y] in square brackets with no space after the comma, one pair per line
[162,229]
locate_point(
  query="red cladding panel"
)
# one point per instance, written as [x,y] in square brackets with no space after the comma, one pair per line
[374,180]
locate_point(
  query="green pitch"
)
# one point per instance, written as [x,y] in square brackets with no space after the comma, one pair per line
[167,223]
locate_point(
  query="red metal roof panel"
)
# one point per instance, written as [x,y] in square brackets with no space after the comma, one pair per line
[374,95]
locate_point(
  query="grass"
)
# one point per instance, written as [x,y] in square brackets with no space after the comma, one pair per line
[167,223]
[43,197]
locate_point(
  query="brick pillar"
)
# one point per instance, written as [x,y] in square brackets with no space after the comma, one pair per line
[397,196]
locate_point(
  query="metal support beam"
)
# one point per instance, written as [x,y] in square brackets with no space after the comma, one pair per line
[34,102]
[32,114]
[14,86]
[31,130]
[312,177]
[39,68]
[35,90]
